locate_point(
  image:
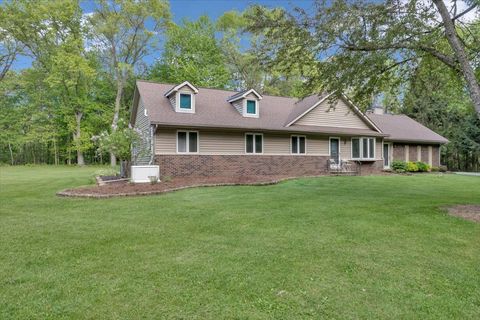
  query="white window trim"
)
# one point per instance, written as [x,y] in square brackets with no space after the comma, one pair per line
[257,108]
[390,154]
[361,148]
[339,147]
[177,102]
[298,145]
[254,134]
[188,141]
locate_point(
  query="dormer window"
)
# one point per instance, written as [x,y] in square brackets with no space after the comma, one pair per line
[182,97]
[252,107]
[247,103]
[186,101]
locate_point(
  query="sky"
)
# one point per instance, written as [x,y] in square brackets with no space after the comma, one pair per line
[192,10]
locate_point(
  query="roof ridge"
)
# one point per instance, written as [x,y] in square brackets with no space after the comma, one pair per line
[225,90]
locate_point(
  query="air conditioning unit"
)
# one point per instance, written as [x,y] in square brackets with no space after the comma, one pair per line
[146,173]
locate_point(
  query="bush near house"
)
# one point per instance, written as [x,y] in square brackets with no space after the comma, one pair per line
[422,166]
[410,166]
[399,166]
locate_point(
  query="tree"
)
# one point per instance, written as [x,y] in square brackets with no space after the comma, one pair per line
[191,53]
[356,46]
[446,110]
[125,31]
[244,64]
[53,34]
[120,143]
[9,49]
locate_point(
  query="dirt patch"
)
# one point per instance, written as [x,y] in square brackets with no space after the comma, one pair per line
[469,212]
[125,188]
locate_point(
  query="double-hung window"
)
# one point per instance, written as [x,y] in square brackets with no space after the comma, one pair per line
[254,143]
[298,144]
[187,142]
[363,148]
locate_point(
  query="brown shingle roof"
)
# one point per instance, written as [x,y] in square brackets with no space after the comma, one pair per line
[213,111]
[404,129]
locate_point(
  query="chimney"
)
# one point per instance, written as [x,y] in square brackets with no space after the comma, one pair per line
[378,110]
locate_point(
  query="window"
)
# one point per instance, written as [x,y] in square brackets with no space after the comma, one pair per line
[251,107]
[254,143]
[185,101]
[363,148]
[298,145]
[355,148]
[187,141]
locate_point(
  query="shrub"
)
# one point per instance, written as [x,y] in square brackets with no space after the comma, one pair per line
[412,166]
[435,169]
[443,169]
[399,166]
[422,166]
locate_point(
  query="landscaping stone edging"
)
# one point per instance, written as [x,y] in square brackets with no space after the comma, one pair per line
[68,193]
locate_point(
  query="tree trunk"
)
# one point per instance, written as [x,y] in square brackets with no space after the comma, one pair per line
[460,54]
[11,153]
[55,152]
[77,136]
[116,114]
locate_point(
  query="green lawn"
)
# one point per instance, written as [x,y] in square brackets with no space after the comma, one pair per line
[330,247]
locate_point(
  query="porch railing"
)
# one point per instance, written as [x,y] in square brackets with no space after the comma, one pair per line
[343,167]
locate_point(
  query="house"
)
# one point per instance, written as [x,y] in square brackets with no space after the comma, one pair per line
[190,131]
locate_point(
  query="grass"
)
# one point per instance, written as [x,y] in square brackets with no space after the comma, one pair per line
[330,247]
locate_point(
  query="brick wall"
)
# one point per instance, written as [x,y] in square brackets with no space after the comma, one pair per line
[435,156]
[248,165]
[425,154]
[398,152]
[412,152]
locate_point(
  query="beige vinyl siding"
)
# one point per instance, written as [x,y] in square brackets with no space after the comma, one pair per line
[251,96]
[341,115]
[276,144]
[345,148]
[238,105]
[165,141]
[379,149]
[222,142]
[317,145]
[217,142]
[225,143]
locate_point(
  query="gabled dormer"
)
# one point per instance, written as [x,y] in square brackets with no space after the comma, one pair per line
[182,97]
[247,103]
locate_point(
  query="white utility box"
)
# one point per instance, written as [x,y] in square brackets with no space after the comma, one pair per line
[142,174]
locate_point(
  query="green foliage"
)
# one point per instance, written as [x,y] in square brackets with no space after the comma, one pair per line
[399,166]
[447,110]
[422,166]
[362,48]
[191,53]
[412,166]
[119,141]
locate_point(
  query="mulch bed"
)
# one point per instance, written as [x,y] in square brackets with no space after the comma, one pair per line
[125,188]
[469,212]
